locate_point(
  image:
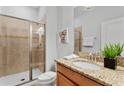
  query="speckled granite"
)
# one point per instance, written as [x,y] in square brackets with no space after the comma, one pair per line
[104,76]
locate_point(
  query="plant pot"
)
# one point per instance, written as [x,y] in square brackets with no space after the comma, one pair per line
[110,63]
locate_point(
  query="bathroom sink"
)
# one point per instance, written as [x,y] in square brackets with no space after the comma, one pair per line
[86,65]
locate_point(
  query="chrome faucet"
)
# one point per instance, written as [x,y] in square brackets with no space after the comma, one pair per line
[90,57]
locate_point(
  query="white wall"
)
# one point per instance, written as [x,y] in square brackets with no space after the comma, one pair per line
[65,20]
[42,14]
[91,22]
[58,18]
[24,12]
[51,30]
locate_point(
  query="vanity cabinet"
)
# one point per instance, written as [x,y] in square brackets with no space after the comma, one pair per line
[68,77]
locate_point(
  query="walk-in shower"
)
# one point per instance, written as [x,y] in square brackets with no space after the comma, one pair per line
[22,50]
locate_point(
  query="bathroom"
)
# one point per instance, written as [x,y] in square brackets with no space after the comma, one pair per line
[34,39]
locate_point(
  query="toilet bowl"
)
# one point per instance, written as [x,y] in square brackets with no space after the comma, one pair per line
[47,78]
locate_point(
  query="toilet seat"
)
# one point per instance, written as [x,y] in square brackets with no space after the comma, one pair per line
[47,77]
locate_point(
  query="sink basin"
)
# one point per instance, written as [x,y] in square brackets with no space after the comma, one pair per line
[86,65]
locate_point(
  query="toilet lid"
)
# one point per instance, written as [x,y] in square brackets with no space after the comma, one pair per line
[47,76]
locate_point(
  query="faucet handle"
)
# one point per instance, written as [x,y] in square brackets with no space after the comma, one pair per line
[90,56]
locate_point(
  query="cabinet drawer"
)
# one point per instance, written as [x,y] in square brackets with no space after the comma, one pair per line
[63,81]
[76,77]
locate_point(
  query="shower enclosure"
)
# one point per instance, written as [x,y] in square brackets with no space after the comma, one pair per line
[22,50]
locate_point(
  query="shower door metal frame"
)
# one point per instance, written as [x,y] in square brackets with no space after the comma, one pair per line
[30,44]
[30,53]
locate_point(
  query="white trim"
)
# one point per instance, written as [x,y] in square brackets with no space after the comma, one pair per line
[105,23]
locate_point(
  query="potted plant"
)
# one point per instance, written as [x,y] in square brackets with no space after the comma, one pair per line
[110,52]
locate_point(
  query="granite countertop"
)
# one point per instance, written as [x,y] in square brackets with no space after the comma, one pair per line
[104,75]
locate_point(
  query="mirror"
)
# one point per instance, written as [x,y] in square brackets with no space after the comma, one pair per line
[112,31]
[100,25]
[78,39]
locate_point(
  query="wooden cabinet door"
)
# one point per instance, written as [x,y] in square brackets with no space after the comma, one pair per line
[76,77]
[63,81]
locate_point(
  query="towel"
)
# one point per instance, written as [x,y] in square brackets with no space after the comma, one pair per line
[88,41]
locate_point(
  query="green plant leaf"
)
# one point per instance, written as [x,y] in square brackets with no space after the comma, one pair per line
[112,50]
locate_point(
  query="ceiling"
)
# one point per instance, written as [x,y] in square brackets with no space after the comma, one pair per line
[80,10]
[36,7]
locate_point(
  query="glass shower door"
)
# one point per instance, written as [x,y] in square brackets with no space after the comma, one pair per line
[22,50]
[38,50]
[14,51]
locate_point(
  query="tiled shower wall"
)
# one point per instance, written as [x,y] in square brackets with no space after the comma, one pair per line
[14,46]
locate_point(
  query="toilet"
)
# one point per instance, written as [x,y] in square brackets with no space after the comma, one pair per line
[47,78]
